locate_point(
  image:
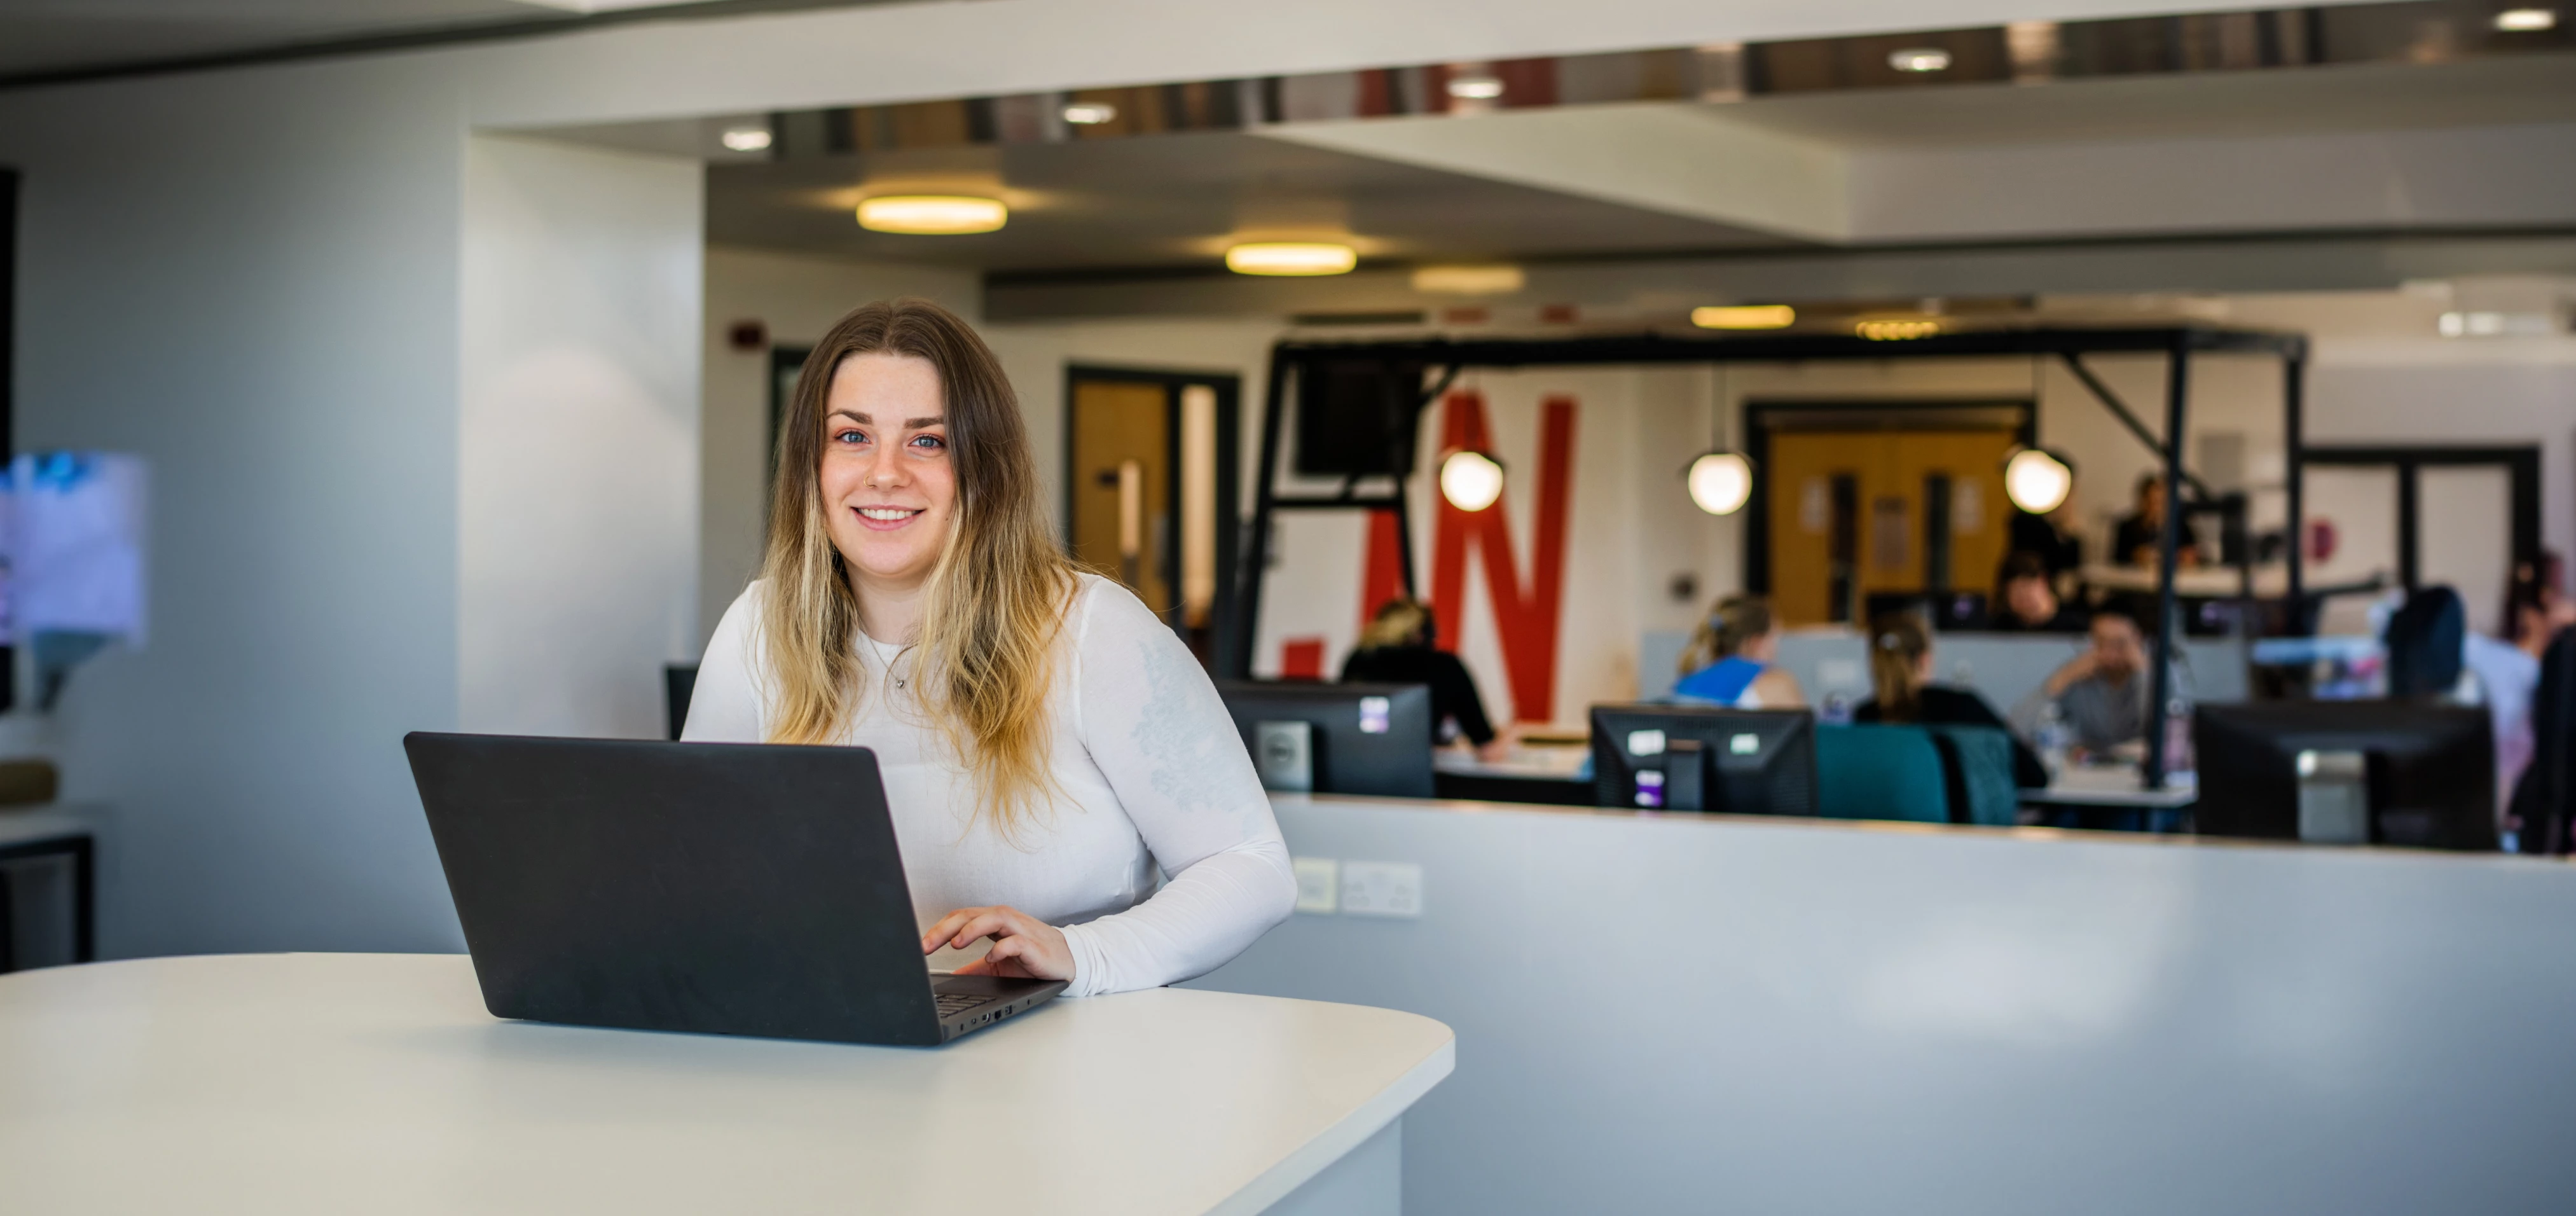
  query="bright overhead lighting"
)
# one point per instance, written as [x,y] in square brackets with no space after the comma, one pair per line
[1470,480]
[2037,480]
[1721,482]
[1898,330]
[1478,87]
[932,214]
[1745,316]
[1291,257]
[746,139]
[2524,20]
[1919,59]
[1090,113]
[1469,280]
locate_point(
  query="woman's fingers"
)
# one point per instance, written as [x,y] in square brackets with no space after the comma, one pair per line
[966,925]
[1023,945]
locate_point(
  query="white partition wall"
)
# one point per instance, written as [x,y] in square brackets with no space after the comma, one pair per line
[1697,1014]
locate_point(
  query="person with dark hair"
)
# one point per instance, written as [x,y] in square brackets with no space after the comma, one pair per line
[1397,648]
[2508,666]
[2425,641]
[1900,673]
[2026,599]
[2138,538]
[1730,659]
[2105,694]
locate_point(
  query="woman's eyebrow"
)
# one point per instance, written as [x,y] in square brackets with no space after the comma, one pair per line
[914,424]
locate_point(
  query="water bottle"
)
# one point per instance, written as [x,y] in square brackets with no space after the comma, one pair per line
[2178,758]
[2052,737]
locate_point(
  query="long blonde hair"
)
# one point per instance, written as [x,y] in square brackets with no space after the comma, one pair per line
[1399,622]
[995,602]
[1735,620]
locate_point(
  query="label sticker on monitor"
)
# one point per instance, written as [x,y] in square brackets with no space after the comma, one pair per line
[1650,783]
[1745,745]
[1376,715]
[1646,743]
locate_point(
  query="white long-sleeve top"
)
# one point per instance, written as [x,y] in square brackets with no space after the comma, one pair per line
[1150,772]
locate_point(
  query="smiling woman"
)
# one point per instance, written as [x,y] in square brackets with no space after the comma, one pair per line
[1045,740]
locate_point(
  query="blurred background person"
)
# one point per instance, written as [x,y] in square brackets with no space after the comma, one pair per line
[2104,695]
[2137,537]
[1732,659]
[1397,648]
[2026,599]
[1900,676]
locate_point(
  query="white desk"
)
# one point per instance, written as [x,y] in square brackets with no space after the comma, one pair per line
[286,1084]
[2113,785]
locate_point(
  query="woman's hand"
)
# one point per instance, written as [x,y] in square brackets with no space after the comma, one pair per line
[1024,947]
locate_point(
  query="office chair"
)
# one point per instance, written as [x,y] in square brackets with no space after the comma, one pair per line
[1880,772]
[1977,774]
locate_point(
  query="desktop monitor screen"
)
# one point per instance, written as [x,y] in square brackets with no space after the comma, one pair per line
[2381,772]
[1335,738]
[1690,758]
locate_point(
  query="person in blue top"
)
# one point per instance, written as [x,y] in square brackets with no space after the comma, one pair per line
[1731,659]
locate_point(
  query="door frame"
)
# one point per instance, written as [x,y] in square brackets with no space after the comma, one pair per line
[1229,477]
[2521,463]
[1757,447]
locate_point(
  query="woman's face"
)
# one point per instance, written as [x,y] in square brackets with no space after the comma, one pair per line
[889,488]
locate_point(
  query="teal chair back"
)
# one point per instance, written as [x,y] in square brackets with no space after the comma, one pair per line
[1879,772]
[1980,759]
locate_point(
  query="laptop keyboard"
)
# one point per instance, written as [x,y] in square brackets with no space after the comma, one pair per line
[950,1003]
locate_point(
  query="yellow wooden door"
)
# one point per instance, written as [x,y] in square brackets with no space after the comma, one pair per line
[1849,516]
[1122,484]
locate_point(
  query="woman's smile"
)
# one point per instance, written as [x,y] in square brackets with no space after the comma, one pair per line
[885,519]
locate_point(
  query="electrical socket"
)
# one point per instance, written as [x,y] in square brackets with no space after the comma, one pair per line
[1381,888]
[1319,884]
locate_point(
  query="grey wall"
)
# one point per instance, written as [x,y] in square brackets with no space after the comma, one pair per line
[1688,1014]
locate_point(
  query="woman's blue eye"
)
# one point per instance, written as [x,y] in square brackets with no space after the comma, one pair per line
[848,437]
[932,440]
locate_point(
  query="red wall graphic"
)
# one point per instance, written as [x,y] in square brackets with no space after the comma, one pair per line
[1525,610]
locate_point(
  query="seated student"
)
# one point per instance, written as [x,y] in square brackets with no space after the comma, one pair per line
[1396,649]
[2103,694]
[1729,659]
[1064,779]
[2140,536]
[2508,667]
[2026,600]
[1900,672]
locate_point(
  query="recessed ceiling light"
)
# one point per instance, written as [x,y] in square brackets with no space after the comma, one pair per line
[2522,20]
[932,214]
[1919,59]
[1291,257]
[1090,113]
[1897,329]
[1745,316]
[1469,280]
[1477,87]
[746,139]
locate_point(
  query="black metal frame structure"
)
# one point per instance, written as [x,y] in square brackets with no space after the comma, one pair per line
[2521,463]
[2176,343]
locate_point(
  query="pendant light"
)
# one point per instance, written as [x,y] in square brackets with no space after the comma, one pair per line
[1469,479]
[1720,479]
[2038,480]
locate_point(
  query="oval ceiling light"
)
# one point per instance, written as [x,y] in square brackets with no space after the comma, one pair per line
[1470,480]
[746,139]
[1090,113]
[1291,257]
[1476,87]
[2526,20]
[2038,480]
[1919,59]
[1900,329]
[1721,482]
[1745,316]
[1469,280]
[932,214]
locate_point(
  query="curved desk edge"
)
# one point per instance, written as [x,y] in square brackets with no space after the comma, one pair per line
[1339,1141]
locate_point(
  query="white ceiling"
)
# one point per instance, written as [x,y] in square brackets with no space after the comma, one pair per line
[60,35]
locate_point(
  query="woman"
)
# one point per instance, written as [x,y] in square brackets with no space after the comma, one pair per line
[1730,659]
[1900,671]
[1396,649]
[1046,742]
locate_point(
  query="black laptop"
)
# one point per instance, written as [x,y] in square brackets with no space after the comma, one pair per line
[711,887]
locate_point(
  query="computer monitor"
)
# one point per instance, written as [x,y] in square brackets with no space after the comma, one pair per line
[1335,738]
[2347,772]
[1693,758]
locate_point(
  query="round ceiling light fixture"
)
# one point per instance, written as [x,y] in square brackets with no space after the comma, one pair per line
[1476,86]
[932,214]
[1745,316]
[746,139]
[1291,257]
[2038,480]
[1919,59]
[1470,480]
[2526,20]
[1720,482]
[1090,113]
